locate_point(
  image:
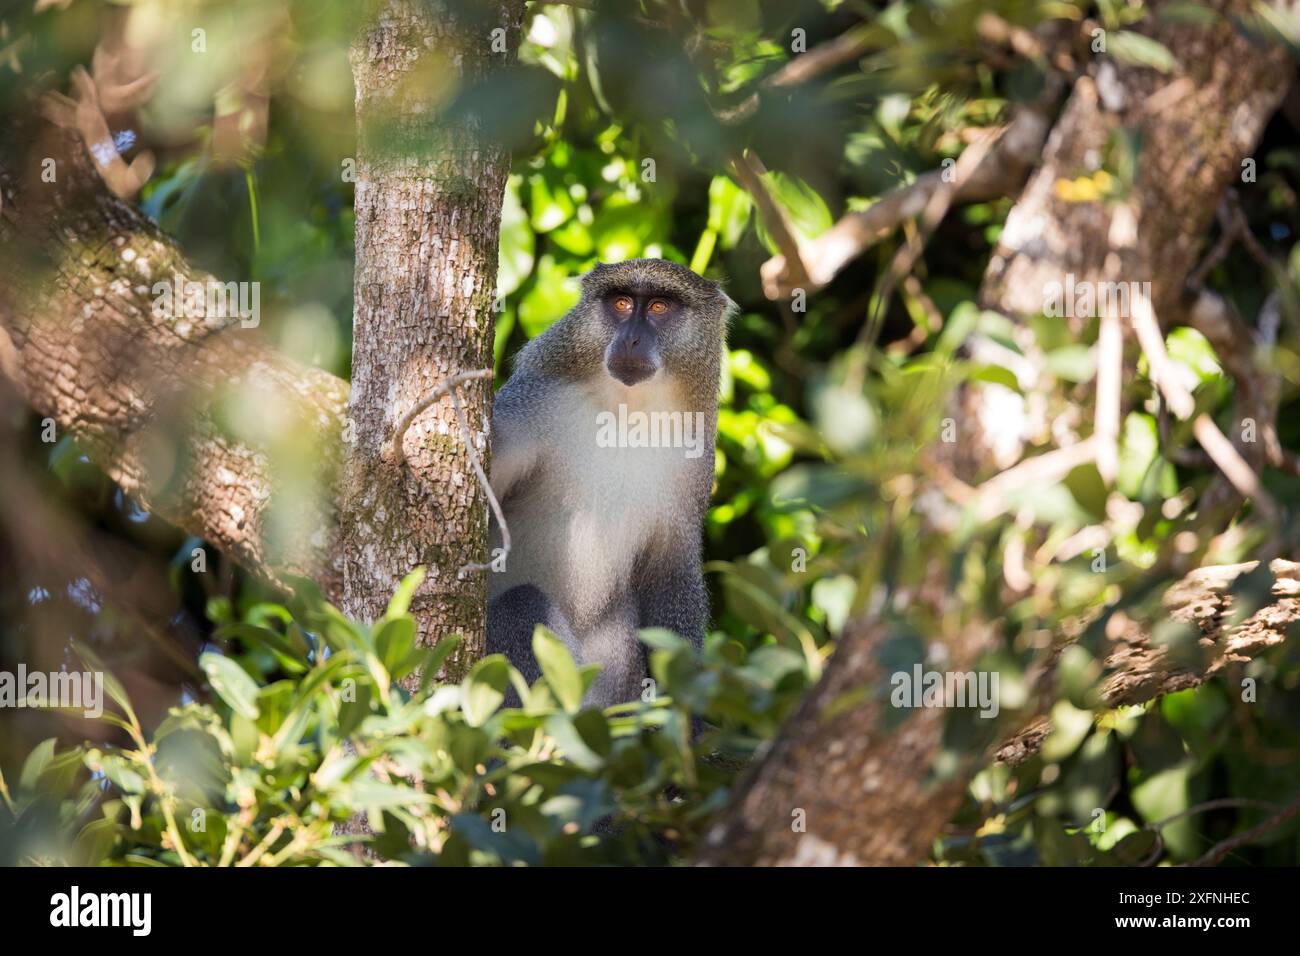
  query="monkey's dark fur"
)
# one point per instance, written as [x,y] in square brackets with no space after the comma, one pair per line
[606,540]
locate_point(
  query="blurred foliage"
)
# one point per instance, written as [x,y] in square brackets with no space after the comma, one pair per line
[824,506]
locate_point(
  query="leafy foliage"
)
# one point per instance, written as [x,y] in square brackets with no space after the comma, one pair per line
[832,433]
[313,719]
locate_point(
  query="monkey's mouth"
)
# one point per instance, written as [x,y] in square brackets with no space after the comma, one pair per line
[628,370]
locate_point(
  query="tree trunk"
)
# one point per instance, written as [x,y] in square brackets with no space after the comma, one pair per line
[428,211]
[80,338]
[1194,126]
[837,788]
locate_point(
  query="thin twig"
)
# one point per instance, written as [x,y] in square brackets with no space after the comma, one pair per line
[936,208]
[1045,469]
[449,387]
[1235,468]
[580,4]
[820,59]
[1222,803]
[1223,453]
[1110,386]
[483,481]
[442,388]
[1218,252]
[1000,172]
[1220,850]
[749,171]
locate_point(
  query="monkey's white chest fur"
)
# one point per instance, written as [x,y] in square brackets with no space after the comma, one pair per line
[598,504]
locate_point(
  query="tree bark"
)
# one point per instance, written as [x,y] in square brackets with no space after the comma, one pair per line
[863,795]
[1140,670]
[80,338]
[428,211]
[837,788]
[1194,126]
[141,388]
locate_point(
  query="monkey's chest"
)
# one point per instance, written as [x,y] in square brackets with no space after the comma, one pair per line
[587,525]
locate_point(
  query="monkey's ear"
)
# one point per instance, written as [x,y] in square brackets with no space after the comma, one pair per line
[729,308]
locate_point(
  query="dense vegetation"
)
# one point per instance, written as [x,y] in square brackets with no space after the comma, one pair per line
[247,724]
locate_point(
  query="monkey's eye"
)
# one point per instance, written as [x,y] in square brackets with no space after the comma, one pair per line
[658,306]
[623,304]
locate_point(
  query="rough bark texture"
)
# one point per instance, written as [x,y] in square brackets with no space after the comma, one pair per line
[876,798]
[1140,670]
[837,787]
[82,341]
[871,796]
[1194,126]
[428,210]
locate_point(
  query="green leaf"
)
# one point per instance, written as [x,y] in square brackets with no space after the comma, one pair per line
[121,773]
[1073,363]
[435,657]
[808,213]
[394,642]
[1134,49]
[1138,449]
[552,294]
[401,602]
[995,375]
[366,793]
[662,639]
[1190,13]
[1069,726]
[231,683]
[558,668]
[550,203]
[111,684]
[35,764]
[729,210]
[1164,795]
[1086,485]
[290,657]
[517,242]
[95,841]
[570,741]
[484,689]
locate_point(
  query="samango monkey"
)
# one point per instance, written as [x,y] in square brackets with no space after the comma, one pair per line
[602,459]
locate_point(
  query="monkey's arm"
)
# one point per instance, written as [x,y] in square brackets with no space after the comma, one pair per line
[670,590]
[517,434]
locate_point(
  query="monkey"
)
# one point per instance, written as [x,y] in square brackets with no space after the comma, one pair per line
[603,462]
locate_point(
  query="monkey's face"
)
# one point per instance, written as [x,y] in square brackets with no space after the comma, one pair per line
[649,319]
[641,327]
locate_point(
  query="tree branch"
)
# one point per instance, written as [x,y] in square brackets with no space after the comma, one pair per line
[143,389]
[997,173]
[1141,670]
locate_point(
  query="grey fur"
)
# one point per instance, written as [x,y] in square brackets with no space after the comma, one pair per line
[589,561]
